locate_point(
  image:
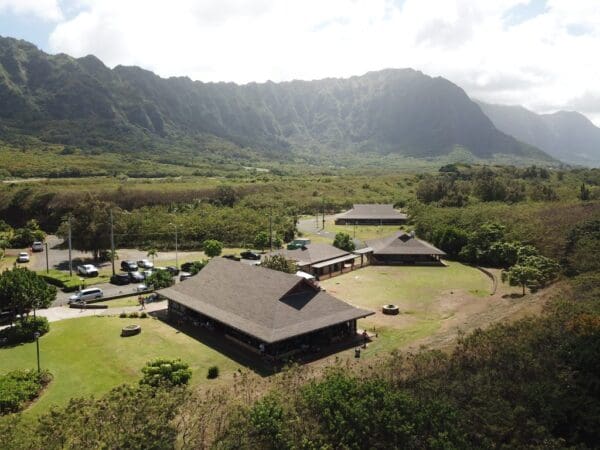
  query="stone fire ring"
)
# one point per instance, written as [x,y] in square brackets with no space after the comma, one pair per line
[390,310]
[131,330]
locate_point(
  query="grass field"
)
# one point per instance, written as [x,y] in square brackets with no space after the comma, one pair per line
[88,356]
[426,296]
[121,302]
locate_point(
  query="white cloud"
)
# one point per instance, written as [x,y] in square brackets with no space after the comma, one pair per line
[545,62]
[43,9]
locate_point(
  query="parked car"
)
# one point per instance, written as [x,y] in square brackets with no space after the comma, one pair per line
[145,264]
[184,276]
[129,266]
[37,246]
[87,270]
[120,279]
[86,295]
[136,277]
[147,273]
[249,254]
[172,270]
[141,288]
[23,257]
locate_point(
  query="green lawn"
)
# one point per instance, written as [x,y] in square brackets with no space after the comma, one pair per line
[88,356]
[419,291]
[74,281]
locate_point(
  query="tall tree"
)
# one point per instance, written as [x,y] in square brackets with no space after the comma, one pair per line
[261,241]
[280,263]
[343,241]
[22,290]
[90,226]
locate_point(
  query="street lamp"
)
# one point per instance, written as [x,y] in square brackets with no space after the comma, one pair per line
[36,335]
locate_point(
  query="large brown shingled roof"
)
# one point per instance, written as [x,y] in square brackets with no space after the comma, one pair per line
[402,243]
[264,303]
[311,253]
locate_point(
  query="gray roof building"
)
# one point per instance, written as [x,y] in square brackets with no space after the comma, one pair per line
[311,254]
[371,214]
[265,304]
[403,244]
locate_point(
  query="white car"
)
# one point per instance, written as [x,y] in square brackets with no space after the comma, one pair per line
[145,264]
[37,246]
[88,270]
[86,294]
[23,257]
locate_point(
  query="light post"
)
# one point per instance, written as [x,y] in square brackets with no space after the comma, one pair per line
[36,335]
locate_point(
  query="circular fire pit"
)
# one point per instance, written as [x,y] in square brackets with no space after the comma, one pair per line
[390,310]
[130,330]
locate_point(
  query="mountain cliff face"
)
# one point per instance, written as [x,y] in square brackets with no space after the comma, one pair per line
[568,136]
[127,109]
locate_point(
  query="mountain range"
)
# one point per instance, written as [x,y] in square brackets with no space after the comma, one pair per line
[79,102]
[566,135]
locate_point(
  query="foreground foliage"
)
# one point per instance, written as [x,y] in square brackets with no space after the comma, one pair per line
[19,387]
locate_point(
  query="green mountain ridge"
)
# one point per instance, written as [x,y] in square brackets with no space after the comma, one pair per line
[80,102]
[565,135]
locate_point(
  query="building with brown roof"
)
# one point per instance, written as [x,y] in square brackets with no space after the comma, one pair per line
[320,260]
[263,310]
[402,248]
[371,215]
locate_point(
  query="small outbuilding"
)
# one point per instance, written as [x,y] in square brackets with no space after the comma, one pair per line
[264,311]
[403,248]
[320,260]
[373,214]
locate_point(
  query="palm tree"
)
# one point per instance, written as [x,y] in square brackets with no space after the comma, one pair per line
[152,253]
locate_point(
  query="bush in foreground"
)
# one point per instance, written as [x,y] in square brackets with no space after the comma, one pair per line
[166,372]
[213,372]
[19,387]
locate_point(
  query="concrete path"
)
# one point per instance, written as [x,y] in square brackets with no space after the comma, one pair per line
[55,314]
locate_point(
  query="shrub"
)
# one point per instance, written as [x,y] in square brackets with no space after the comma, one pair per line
[160,279]
[169,372]
[143,315]
[19,387]
[123,315]
[22,331]
[213,372]
[133,315]
[212,247]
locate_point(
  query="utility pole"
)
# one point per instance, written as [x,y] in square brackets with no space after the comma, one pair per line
[176,250]
[112,242]
[323,211]
[270,230]
[47,264]
[70,260]
[36,335]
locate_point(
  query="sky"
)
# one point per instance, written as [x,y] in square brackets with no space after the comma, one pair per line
[542,54]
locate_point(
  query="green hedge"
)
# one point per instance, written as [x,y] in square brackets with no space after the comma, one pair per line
[68,283]
[22,331]
[19,387]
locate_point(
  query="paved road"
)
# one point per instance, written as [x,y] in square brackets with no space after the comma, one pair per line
[109,290]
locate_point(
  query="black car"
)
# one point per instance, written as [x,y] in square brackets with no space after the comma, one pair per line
[232,257]
[120,278]
[129,266]
[172,270]
[248,254]
[136,277]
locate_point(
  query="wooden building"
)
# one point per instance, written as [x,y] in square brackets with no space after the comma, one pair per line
[262,310]
[371,215]
[403,248]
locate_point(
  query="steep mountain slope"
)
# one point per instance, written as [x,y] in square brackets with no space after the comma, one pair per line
[81,102]
[568,136]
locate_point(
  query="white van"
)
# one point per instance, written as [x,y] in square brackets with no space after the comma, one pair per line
[37,246]
[86,294]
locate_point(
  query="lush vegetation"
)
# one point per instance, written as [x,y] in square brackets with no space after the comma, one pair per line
[280,263]
[166,372]
[19,387]
[22,291]
[343,241]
